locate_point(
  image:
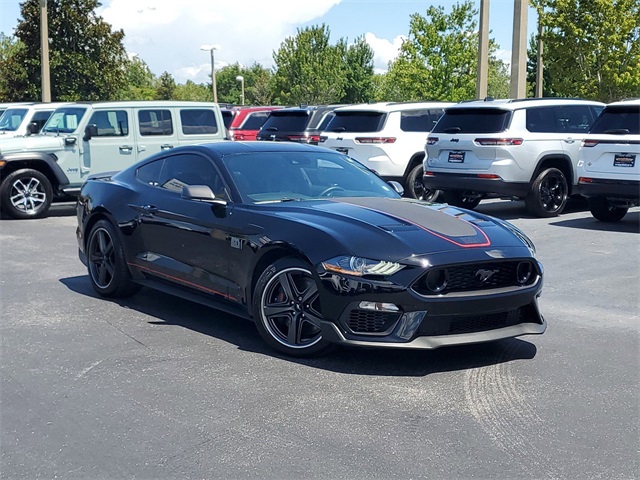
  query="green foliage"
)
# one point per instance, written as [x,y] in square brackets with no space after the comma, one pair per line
[592,48]
[191,91]
[139,81]
[166,87]
[12,75]
[438,61]
[532,71]
[87,59]
[309,69]
[359,72]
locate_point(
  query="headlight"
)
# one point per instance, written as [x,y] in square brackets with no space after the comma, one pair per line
[361,266]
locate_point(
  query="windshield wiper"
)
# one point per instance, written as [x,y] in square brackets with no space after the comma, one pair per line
[339,129]
[617,131]
[273,129]
[452,130]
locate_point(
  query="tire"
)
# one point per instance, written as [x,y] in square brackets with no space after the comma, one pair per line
[26,193]
[605,211]
[286,296]
[548,195]
[415,188]
[106,263]
[458,198]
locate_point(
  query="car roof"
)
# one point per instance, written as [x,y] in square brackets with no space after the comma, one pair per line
[230,148]
[145,103]
[520,103]
[393,106]
[627,102]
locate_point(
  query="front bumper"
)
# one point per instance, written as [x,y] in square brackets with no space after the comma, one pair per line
[473,183]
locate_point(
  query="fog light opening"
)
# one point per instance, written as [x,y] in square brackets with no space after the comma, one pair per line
[379,307]
[436,280]
[524,272]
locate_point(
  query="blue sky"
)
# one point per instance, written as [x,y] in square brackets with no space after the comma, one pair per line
[168,34]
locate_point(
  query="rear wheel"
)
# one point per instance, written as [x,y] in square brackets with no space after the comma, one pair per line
[415,187]
[26,193]
[287,308]
[605,211]
[106,263]
[548,195]
[462,199]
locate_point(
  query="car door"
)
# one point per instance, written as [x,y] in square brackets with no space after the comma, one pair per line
[156,130]
[113,145]
[184,241]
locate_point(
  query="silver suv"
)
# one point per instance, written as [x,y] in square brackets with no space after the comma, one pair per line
[510,149]
[80,139]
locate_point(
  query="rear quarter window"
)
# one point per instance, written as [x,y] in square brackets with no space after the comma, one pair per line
[357,122]
[473,120]
[419,120]
[155,122]
[198,121]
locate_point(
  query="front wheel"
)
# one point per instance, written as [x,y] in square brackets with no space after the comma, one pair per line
[26,193]
[459,198]
[548,195]
[605,211]
[287,308]
[106,263]
[415,187]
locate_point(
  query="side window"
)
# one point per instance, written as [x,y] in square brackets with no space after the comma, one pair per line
[155,122]
[190,169]
[150,173]
[542,120]
[40,118]
[110,123]
[574,118]
[415,121]
[254,121]
[198,121]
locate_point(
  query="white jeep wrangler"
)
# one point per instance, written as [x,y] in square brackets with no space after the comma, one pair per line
[80,139]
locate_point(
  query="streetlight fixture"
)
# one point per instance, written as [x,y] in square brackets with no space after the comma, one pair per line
[212,48]
[240,78]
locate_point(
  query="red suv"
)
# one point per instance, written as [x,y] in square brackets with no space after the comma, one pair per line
[247,121]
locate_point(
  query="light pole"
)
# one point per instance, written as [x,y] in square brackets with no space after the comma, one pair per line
[212,48]
[240,78]
[44,46]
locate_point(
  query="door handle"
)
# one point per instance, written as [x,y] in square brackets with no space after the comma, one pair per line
[166,147]
[570,140]
[149,209]
[126,149]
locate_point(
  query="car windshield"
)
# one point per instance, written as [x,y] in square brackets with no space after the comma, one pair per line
[620,120]
[473,120]
[64,120]
[288,176]
[291,121]
[11,119]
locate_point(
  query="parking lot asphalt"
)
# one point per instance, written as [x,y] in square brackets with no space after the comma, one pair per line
[158,387]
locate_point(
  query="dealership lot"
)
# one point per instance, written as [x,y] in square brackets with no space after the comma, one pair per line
[157,387]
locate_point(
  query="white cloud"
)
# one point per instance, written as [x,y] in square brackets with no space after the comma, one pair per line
[167,34]
[384,50]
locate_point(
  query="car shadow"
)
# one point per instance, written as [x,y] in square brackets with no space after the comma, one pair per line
[516,209]
[629,224]
[166,309]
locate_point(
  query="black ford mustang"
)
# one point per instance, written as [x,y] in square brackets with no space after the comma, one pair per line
[311,245]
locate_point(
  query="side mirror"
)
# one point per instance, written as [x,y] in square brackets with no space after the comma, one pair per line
[397,187]
[32,128]
[202,193]
[90,131]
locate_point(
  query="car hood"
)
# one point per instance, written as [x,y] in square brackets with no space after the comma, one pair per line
[30,143]
[402,228]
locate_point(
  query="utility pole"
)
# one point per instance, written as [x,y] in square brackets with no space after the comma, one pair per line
[483,51]
[44,47]
[540,70]
[518,88]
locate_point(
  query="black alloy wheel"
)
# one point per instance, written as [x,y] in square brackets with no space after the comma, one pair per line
[415,187]
[106,264]
[548,195]
[287,308]
[25,194]
[459,198]
[606,211]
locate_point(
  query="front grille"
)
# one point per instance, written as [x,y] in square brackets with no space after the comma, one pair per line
[453,324]
[371,322]
[475,277]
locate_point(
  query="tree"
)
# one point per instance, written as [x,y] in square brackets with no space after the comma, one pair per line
[12,76]
[87,59]
[592,48]
[166,87]
[439,60]
[192,91]
[139,81]
[532,71]
[309,69]
[359,72]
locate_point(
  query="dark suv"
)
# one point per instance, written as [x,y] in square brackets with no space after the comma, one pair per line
[301,124]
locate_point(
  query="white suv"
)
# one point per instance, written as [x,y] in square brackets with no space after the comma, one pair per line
[609,162]
[388,138]
[25,119]
[511,149]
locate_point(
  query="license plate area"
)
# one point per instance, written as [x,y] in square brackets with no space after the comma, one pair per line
[624,160]
[456,157]
[343,150]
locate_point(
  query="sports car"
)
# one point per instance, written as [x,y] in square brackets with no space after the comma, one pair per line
[311,245]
